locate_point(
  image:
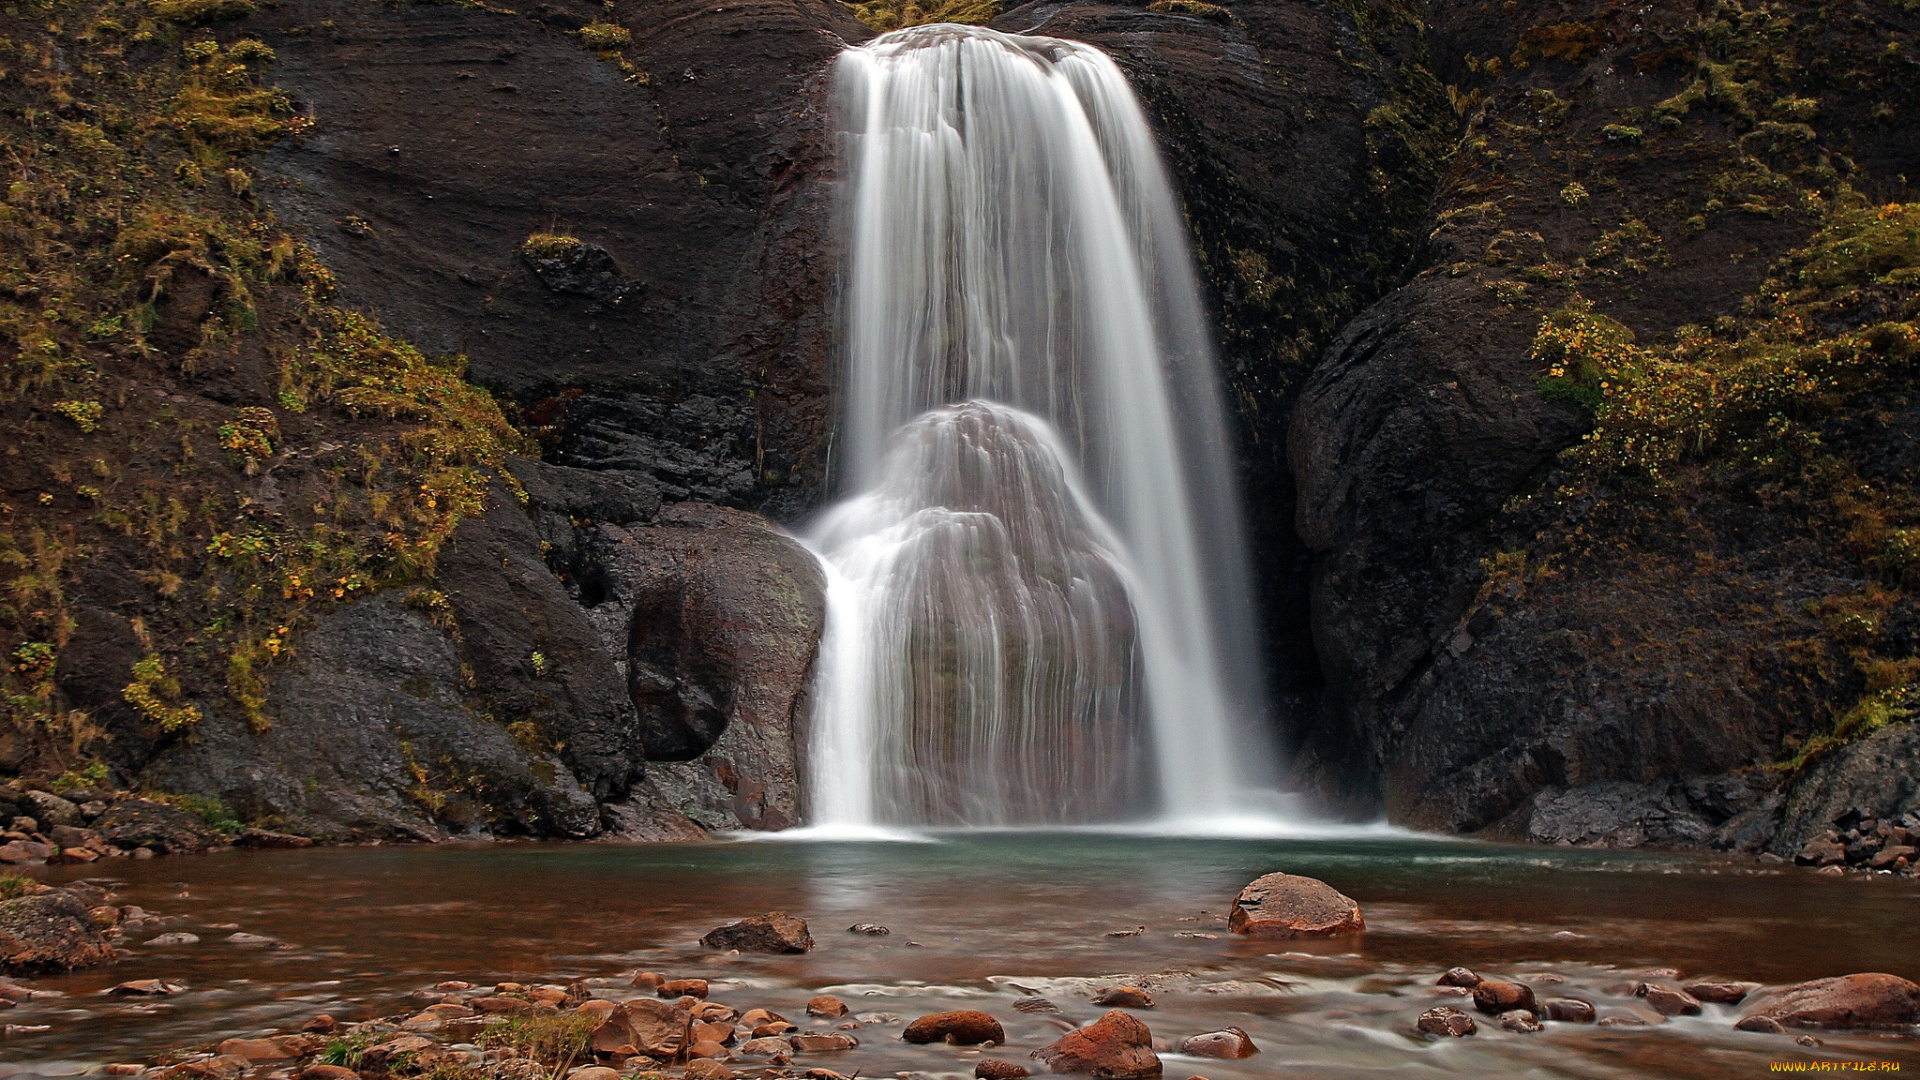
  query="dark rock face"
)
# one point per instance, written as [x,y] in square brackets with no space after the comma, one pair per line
[374,695]
[695,294]
[49,932]
[1878,777]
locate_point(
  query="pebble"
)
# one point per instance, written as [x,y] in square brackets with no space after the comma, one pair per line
[870,929]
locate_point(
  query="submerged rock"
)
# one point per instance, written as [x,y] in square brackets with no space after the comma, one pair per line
[1446,1020]
[1496,996]
[774,932]
[1667,1001]
[48,932]
[1458,976]
[1871,1000]
[1520,1020]
[962,1027]
[826,1006]
[1227,1044]
[1125,997]
[995,1069]
[1290,906]
[1115,1047]
[1569,1010]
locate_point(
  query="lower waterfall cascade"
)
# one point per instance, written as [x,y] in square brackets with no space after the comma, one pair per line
[1038,601]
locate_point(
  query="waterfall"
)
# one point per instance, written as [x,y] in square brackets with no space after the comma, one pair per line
[1037,603]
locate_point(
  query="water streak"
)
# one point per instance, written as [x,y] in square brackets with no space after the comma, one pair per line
[1038,606]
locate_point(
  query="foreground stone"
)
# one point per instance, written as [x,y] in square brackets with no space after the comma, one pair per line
[1290,906]
[961,1027]
[774,932]
[995,1069]
[1115,1047]
[1227,1044]
[652,1027]
[1446,1020]
[48,932]
[1496,996]
[1871,1000]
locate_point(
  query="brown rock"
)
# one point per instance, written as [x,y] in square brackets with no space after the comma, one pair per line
[1569,1010]
[1289,906]
[1764,1024]
[995,1069]
[649,981]
[1458,977]
[1667,1001]
[1446,1020]
[962,1027]
[1115,1047]
[1721,993]
[1872,1000]
[773,1028]
[1521,1020]
[827,1006]
[1822,851]
[136,823]
[1227,1044]
[511,1006]
[652,1027]
[223,1067]
[261,838]
[676,988]
[773,1046]
[707,1069]
[321,1024]
[386,1052]
[704,1031]
[1125,997]
[125,1068]
[548,995]
[262,1049]
[328,1072]
[824,1042]
[709,1048]
[712,1012]
[146,987]
[1891,854]
[1495,996]
[774,932]
[598,1008]
[753,1018]
[594,1072]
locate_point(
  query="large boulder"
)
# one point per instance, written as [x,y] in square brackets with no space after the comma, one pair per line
[1290,906]
[137,823]
[652,1027]
[962,1027]
[718,615]
[774,932]
[1872,1000]
[49,932]
[1115,1047]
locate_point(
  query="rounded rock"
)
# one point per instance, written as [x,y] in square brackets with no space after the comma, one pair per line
[1495,996]
[1115,1047]
[1446,1020]
[995,1069]
[826,1006]
[1290,906]
[962,1027]
[1458,976]
[1521,1020]
[1124,997]
[1227,1044]
[1569,1010]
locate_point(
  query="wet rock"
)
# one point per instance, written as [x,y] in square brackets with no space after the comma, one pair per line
[825,1042]
[1623,1021]
[704,1031]
[648,981]
[49,932]
[1227,1044]
[1808,1040]
[389,1051]
[770,1046]
[1721,993]
[50,809]
[1446,1020]
[1458,977]
[320,1025]
[707,1069]
[25,851]
[774,932]
[753,1018]
[244,938]
[1115,1047]
[593,1072]
[869,929]
[711,1049]
[1822,851]
[774,1027]
[1290,906]
[1765,1025]
[137,823]
[1496,996]
[72,836]
[995,1069]
[826,1006]
[284,1048]
[1891,855]
[1871,1000]
[1569,1010]
[1035,1005]
[1667,1001]
[712,1012]
[176,937]
[962,1027]
[262,838]
[147,988]
[1125,997]
[684,988]
[1520,1020]
[223,1067]
[125,1068]
[652,1027]
[510,1006]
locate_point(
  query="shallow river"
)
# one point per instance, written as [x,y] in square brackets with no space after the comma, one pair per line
[982,920]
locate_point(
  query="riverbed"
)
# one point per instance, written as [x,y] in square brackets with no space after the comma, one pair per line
[984,920]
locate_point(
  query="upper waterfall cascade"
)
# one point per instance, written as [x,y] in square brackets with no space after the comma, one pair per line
[1038,604]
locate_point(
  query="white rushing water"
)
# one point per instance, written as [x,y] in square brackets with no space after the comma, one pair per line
[1038,608]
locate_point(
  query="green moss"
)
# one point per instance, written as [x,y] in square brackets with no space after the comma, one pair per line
[605,35]
[885,15]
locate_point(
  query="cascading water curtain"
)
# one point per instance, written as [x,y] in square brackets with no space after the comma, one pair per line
[1037,603]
